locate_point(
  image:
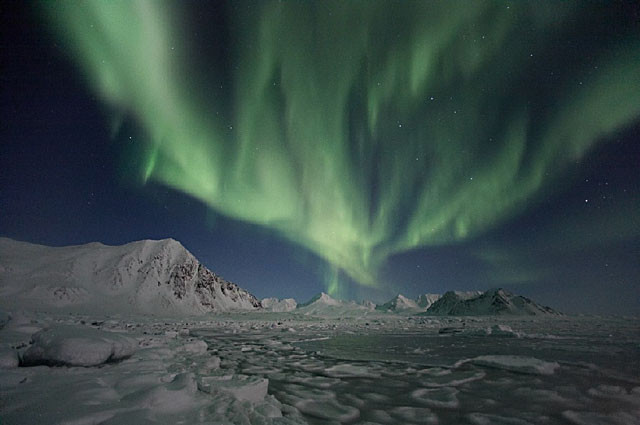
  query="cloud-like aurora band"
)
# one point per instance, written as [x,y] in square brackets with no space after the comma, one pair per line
[362,129]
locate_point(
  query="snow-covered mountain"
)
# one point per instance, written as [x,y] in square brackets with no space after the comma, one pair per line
[155,277]
[449,300]
[277,305]
[425,301]
[321,299]
[324,305]
[491,302]
[400,304]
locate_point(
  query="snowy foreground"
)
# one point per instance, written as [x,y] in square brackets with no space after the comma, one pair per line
[288,368]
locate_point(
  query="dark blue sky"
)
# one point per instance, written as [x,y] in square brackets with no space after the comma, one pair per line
[573,245]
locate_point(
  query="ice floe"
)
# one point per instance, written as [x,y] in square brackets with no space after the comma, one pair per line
[520,364]
[77,346]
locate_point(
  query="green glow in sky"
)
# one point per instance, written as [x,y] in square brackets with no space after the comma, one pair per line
[360,130]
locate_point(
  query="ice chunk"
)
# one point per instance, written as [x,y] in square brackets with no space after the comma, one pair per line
[314,381]
[521,364]
[418,415]
[453,379]
[213,363]
[241,387]
[77,346]
[540,395]
[195,347]
[348,370]
[377,398]
[437,397]
[591,418]
[483,419]
[503,331]
[381,416]
[328,409]
[179,395]
[610,391]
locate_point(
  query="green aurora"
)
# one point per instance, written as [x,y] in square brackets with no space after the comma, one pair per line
[361,130]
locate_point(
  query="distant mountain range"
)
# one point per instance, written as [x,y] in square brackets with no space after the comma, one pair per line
[491,302]
[402,304]
[453,303]
[151,277]
[162,277]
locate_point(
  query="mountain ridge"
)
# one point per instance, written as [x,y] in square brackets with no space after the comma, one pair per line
[491,302]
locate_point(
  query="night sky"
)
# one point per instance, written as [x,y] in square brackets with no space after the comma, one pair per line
[358,148]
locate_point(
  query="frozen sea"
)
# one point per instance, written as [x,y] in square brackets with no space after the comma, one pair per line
[288,369]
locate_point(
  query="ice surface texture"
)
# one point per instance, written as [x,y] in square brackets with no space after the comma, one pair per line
[243,369]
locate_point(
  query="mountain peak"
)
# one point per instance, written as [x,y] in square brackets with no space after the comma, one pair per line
[399,303]
[321,298]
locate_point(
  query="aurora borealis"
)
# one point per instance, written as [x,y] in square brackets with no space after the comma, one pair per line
[363,131]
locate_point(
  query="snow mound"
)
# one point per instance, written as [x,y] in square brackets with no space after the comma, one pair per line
[279,306]
[77,346]
[520,364]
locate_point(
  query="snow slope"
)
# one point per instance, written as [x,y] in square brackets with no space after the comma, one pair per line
[150,277]
[491,302]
